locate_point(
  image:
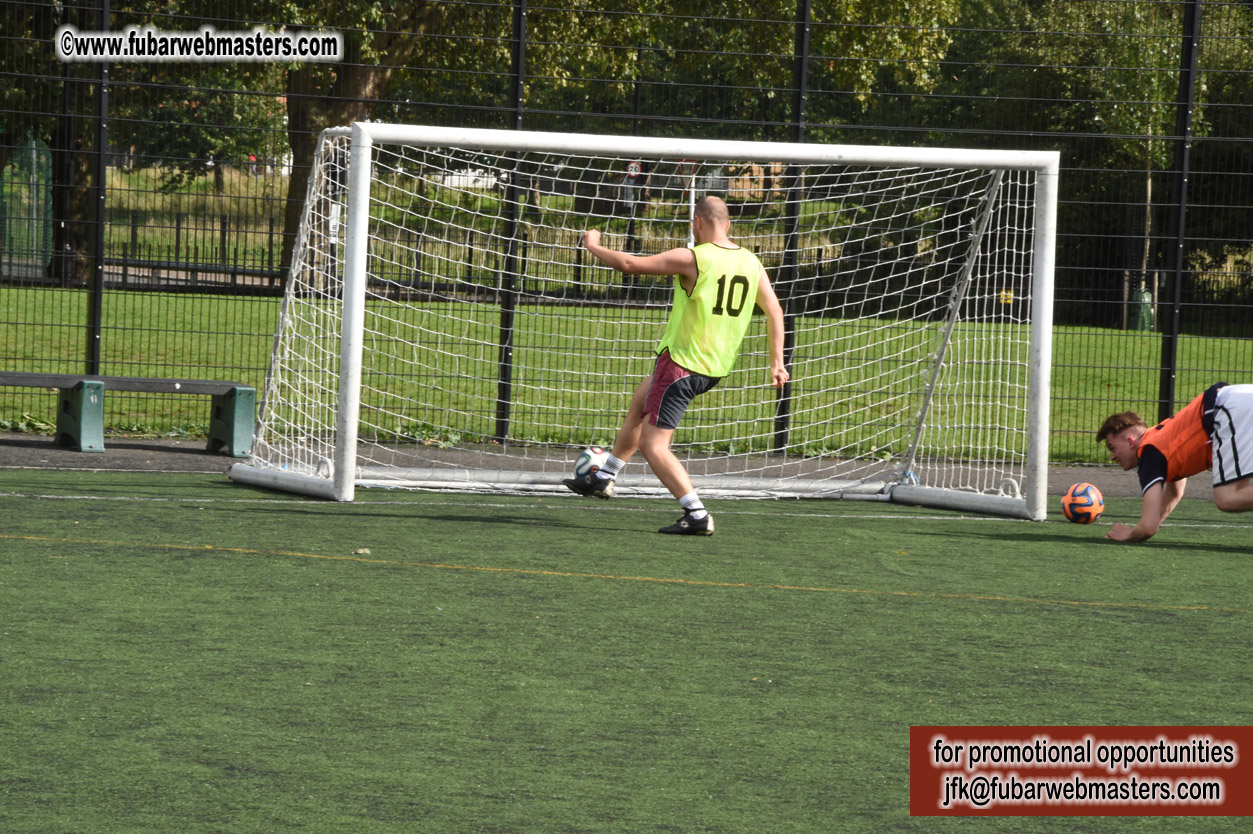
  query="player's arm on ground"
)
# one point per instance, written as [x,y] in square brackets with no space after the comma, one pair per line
[680,261]
[769,304]
[1172,492]
[1159,500]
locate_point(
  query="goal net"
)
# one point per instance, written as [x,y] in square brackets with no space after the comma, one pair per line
[442,327]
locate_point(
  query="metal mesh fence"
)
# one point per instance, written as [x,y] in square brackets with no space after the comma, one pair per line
[148,206]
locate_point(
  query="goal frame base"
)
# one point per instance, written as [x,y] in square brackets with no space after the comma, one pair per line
[519,482]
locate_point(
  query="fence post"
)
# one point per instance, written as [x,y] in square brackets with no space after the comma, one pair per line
[1183,149]
[131,252]
[794,191]
[223,256]
[800,71]
[508,277]
[95,312]
[519,62]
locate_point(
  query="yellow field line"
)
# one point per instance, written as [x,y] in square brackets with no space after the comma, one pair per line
[702,583]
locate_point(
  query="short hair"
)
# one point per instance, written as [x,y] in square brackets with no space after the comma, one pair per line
[713,210]
[1116,423]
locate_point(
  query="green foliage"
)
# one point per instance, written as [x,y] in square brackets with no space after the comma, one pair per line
[189,137]
[139,429]
[1115,67]
[423,434]
[28,423]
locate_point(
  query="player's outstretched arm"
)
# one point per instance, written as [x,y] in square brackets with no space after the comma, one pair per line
[1159,501]
[768,303]
[1171,494]
[680,261]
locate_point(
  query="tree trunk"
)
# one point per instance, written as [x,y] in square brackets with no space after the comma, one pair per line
[75,207]
[321,96]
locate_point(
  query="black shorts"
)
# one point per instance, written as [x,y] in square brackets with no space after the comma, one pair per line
[673,389]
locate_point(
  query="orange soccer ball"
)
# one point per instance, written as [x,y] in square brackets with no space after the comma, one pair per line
[1083,503]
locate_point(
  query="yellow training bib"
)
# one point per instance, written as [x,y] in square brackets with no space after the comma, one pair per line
[706,328]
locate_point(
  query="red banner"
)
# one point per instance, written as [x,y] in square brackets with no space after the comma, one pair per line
[1081,771]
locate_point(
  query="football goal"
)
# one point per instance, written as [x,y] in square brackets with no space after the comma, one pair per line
[442,327]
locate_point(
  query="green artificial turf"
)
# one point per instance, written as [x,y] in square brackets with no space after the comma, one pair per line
[179,653]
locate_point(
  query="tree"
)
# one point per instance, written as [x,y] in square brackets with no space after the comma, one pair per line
[986,84]
[55,106]
[227,106]
[1116,67]
[1220,220]
[223,113]
[379,40]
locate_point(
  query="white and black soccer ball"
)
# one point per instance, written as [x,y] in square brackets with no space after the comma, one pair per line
[591,459]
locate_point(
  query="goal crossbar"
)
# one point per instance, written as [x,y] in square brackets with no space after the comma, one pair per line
[371,133]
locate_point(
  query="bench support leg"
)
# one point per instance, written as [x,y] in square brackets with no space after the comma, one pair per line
[233,421]
[80,417]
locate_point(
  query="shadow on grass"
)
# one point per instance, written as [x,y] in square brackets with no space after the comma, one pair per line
[1160,542]
[597,523]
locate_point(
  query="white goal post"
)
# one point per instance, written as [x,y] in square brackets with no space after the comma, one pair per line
[442,327]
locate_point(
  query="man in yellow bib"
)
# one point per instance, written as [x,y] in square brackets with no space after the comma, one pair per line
[717,286]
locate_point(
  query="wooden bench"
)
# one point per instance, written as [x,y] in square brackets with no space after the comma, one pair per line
[80,406]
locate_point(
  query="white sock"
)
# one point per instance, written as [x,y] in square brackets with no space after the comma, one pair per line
[611,468]
[694,506]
